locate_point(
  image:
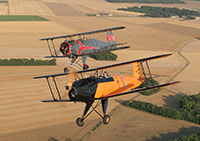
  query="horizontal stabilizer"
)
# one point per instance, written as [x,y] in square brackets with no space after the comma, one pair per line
[62,100]
[139,90]
[107,50]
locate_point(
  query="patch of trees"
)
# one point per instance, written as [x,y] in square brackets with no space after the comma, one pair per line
[26,62]
[192,137]
[90,14]
[146,1]
[148,83]
[104,56]
[189,108]
[161,11]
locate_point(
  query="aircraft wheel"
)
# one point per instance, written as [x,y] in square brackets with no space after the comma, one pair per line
[66,70]
[106,119]
[79,122]
[85,67]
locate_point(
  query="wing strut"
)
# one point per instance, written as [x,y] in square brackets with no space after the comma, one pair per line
[49,48]
[54,47]
[56,88]
[50,89]
[149,73]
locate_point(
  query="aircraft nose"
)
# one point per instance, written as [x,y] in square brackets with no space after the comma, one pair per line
[64,48]
[73,94]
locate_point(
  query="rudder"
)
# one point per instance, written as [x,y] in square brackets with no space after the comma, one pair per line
[111,38]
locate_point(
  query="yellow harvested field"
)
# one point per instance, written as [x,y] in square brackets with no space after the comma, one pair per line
[191,73]
[26,34]
[193,22]
[143,21]
[193,46]
[21,7]
[33,26]
[3,9]
[28,8]
[186,24]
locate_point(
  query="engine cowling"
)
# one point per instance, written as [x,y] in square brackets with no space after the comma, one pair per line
[73,94]
[64,48]
[83,90]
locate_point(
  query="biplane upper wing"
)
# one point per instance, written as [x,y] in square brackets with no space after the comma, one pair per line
[83,33]
[105,67]
[138,90]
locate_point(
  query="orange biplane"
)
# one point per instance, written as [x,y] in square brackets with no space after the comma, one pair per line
[101,86]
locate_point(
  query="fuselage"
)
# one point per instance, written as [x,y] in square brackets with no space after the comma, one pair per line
[93,88]
[82,46]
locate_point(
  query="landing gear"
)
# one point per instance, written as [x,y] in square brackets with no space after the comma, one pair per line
[66,69]
[85,67]
[106,119]
[80,122]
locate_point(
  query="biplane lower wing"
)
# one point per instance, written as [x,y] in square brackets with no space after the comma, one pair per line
[61,100]
[139,90]
[60,56]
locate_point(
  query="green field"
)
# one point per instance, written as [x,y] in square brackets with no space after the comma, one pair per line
[3,1]
[21,18]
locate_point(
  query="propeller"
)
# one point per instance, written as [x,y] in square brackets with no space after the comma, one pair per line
[69,79]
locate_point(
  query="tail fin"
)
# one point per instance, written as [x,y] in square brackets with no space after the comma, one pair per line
[111,38]
[138,71]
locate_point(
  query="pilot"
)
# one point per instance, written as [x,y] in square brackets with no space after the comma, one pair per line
[105,74]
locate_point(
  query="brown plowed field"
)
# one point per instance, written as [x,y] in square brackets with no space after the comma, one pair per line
[60,9]
[190,31]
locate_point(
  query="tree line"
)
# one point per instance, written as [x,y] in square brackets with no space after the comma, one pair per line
[148,83]
[104,56]
[189,108]
[26,62]
[147,1]
[161,11]
[191,137]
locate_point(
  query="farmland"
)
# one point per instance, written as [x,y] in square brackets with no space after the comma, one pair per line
[25,117]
